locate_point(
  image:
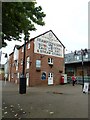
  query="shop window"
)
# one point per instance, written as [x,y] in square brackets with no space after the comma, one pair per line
[43,76]
[50,61]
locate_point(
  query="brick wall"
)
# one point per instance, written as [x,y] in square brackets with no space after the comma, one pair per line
[55,69]
[35,75]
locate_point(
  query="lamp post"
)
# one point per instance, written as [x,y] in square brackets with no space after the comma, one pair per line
[22,84]
[83,53]
[6,56]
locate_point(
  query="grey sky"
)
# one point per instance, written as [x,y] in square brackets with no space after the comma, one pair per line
[68,19]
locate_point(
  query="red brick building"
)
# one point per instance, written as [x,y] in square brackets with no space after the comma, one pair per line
[1,72]
[44,60]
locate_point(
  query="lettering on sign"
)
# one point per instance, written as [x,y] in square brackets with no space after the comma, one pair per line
[49,45]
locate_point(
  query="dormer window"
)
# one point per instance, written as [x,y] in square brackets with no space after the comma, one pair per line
[50,61]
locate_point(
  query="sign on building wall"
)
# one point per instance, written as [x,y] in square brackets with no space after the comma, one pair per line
[48,44]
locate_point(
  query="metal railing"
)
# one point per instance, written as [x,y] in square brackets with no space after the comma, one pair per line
[79,79]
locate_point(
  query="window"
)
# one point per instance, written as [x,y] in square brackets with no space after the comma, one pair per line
[18,75]
[86,56]
[22,49]
[28,61]
[50,61]
[28,45]
[16,64]
[65,59]
[38,63]
[43,76]
[21,62]
[13,64]
[77,57]
[50,75]
[12,75]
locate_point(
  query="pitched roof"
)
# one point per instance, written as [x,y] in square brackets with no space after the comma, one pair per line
[44,34]
[18,47]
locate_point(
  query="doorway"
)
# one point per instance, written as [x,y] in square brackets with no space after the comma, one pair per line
[27,79]
[50,78]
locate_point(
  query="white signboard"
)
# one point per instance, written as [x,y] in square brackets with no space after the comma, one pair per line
[65,78]
[86,87]
[49,45]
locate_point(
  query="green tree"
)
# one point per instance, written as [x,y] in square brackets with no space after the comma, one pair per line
[18,17]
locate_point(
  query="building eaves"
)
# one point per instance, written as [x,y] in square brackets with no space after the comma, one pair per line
[11,53]
[41,35]
[44,34]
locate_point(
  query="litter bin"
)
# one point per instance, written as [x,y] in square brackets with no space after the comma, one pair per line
[22,85]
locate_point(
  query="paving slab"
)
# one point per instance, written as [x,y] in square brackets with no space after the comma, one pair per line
[60,101]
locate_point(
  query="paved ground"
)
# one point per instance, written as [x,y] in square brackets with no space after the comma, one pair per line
[62,101]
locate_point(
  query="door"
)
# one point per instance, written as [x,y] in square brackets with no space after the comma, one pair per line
[50,78]
[27,79]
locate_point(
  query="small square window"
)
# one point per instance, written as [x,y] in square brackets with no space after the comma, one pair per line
[50,61]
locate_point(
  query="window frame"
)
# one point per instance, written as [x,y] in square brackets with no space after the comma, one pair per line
[21,62]
[43,77]
[50,60]
[27,62]
[38,63]
[28,45]
[23,49]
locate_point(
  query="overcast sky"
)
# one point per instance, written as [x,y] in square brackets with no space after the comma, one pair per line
[68,19]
